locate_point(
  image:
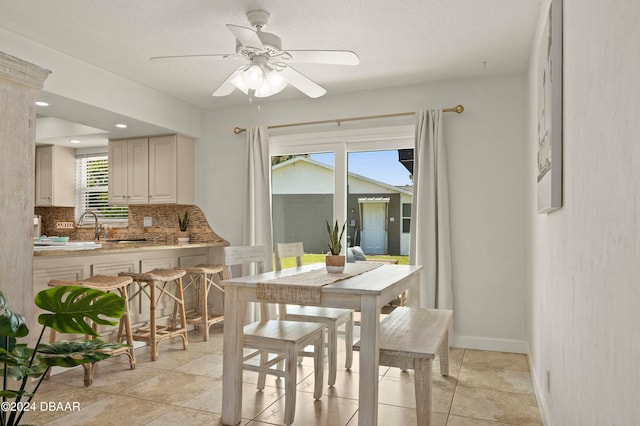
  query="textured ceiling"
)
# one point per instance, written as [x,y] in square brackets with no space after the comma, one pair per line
[400,42]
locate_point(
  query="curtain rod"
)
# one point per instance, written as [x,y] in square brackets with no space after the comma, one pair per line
[458,109]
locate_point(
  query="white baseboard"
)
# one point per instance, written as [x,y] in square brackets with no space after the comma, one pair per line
[490,344]
[541,396]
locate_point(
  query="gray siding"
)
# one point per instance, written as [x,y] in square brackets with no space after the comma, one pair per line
[301,217]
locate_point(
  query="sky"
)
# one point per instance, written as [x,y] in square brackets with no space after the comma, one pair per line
[382,166]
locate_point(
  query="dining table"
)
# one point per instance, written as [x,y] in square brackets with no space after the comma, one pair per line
[365,290]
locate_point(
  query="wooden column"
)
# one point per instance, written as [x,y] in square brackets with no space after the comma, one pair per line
[20,81]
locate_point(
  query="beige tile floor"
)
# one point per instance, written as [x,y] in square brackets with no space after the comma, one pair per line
[185,387]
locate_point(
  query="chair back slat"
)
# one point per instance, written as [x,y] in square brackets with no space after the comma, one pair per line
[285,250]
[244,255]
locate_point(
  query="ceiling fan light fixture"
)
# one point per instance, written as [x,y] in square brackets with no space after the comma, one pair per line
[238,81]
[253,77]
[276,80]
[273,84]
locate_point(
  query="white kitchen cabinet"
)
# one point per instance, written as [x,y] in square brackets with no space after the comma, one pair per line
[171,170]
[68,271]
[155,170]
[129,171]
[55,176]
[114,268]
[76,266]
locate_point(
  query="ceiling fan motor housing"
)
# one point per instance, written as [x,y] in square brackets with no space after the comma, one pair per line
[272,44]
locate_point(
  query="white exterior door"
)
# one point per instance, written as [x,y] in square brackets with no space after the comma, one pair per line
[374,234]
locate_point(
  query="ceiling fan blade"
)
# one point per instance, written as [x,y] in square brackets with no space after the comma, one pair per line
[226,87]
[246,36]
[302,83]
[205,55]
[337,57]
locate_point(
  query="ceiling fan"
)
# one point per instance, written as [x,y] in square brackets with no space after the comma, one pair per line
[268,71]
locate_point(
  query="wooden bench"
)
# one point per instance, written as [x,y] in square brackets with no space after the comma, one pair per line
[409,339]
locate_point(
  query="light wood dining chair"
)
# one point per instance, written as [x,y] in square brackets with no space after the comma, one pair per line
[331,318]
[283,340]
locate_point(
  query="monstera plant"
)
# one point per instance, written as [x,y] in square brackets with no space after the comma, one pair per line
[68,309]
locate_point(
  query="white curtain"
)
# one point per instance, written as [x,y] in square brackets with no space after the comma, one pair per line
[256,225]
[430,236]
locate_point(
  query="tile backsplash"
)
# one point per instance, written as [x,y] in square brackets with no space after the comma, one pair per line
[164,219]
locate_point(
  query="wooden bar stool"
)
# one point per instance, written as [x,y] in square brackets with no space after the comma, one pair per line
[201,278]
[149,283]
[106,284]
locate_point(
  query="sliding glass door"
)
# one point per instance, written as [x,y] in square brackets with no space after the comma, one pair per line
[353,177]
[302,193]
[379,185]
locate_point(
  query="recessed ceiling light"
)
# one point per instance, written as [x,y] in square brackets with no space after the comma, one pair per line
[121,126]
[74,141]
[41,103]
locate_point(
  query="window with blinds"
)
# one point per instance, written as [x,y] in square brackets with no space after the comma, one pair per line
[92,179]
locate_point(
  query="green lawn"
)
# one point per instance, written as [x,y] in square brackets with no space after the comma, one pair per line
[318,258]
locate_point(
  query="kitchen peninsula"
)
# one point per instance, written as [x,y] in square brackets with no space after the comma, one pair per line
[112,258]
[140,249]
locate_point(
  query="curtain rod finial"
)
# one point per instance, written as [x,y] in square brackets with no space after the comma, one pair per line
[238,130]
[459,109]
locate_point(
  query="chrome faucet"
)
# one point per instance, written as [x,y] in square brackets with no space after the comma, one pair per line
[95,217]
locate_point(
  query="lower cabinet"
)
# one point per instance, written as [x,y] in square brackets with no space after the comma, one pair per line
[72,271]
[113,268]
[72,268]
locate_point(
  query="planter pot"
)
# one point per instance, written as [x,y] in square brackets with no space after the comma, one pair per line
[182,237]
[335,263]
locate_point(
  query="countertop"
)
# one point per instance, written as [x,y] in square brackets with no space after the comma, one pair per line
[125,247]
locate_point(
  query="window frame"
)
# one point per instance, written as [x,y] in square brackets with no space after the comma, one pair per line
[403,217]
[81,189]
[342,142]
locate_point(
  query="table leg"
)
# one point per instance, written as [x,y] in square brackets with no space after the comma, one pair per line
[414,291]
[369,357]
[232,358]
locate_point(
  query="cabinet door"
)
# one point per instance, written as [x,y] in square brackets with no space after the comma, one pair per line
[114,268]
[138,171]
[44,176]
[162,170]
[118,161]
[41,277]
[55,176]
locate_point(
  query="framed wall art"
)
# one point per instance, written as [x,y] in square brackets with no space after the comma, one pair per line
[549,76]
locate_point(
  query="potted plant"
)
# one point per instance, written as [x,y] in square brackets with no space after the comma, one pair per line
[67,307]
[334,261]
[183,222]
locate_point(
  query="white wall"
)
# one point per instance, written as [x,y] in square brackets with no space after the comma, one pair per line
[302,178]
[487,149]
[585,292]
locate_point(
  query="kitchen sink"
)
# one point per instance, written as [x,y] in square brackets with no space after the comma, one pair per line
[70,245]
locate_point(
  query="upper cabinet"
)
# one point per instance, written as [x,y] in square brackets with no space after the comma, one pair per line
[129,171]
[55,176]
[155,170]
